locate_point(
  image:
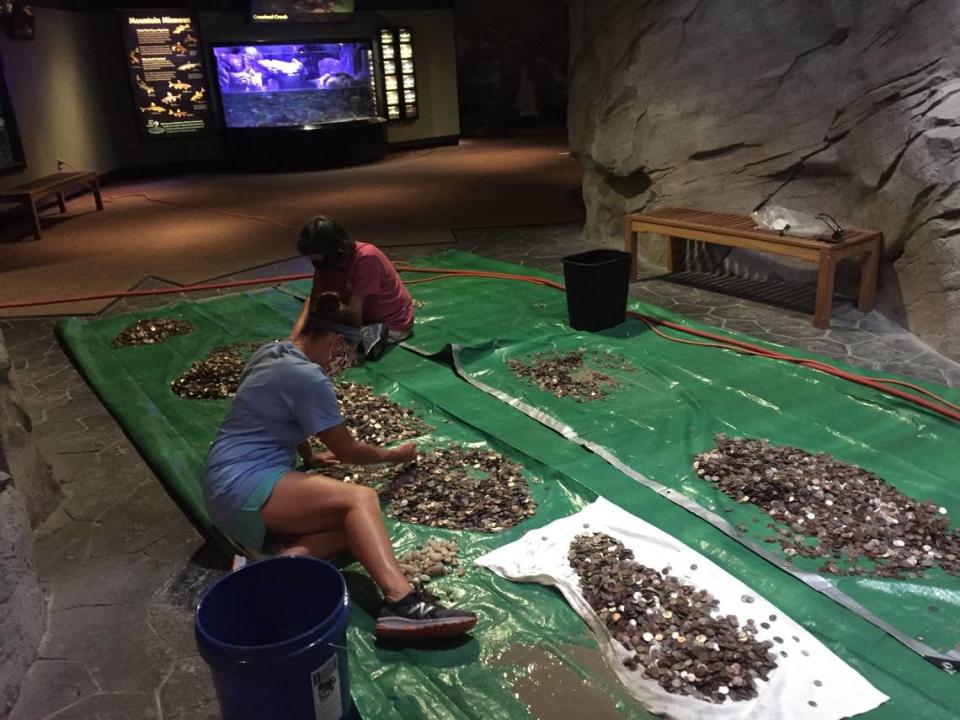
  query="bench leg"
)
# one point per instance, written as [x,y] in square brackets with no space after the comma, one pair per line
[34,219]
[674,254]
[61,202]
[95,188]
[630,246]
[868,279]
[824,303]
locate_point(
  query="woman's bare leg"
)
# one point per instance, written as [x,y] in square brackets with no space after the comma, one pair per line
[326,545]
[307,505]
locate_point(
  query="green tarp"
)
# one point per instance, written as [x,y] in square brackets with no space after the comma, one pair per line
[679,397]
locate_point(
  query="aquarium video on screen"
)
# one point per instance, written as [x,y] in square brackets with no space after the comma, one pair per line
[294,84]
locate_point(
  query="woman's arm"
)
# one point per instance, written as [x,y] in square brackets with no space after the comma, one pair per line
[348,449]
[315,289]
[356,306]
[298,325]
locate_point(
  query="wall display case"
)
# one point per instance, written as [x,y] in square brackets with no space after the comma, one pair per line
[399,78]
[167,73]
[11,150]
[297,84]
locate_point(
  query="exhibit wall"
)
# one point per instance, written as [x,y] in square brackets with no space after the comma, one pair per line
[512,63]
[55,88]
[71,91]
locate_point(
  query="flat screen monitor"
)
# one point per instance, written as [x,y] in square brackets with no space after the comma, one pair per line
[298,84]
[300,11]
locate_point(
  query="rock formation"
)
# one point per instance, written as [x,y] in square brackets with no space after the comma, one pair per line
[848,107]
[28,492]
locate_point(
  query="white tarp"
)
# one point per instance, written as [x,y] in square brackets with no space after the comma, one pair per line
[809,683]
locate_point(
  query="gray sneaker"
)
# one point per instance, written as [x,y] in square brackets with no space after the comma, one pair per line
[420,615]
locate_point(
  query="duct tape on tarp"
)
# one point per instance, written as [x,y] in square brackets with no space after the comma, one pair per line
[810,683]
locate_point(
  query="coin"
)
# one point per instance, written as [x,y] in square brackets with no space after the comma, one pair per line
[217,375]
[825,508]
[151,331]
[577,374]
[687,647]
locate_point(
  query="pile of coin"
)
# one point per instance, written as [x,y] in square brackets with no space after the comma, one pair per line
[674,631]
[852,513]
[375,418]
[373,476]
[433,559]
[460,488]
[151,331]
[216,376]
[572,374]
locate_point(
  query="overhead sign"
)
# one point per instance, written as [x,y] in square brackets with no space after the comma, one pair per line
[167,73]
[300,11]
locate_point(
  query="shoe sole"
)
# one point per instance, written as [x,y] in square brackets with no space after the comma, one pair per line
[427,629]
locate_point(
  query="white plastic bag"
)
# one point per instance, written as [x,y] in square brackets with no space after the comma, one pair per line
[810,683]
[791,222]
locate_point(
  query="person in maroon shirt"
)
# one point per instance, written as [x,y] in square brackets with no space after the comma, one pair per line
[360,274]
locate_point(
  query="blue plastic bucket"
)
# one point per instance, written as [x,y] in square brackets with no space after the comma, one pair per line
[274,634]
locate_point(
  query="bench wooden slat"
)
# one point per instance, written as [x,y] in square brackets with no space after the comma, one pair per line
[741,231]
[29,193]
[743,226]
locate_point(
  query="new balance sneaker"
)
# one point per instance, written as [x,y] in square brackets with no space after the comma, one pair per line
[420,615]
[373,340]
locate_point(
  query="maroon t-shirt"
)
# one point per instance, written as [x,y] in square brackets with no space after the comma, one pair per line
[369,273]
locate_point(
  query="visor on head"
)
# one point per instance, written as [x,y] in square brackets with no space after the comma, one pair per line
[350,333]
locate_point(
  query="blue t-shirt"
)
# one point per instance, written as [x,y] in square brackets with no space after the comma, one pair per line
[282,399]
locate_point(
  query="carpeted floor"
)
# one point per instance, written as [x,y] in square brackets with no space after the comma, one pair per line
[199,227]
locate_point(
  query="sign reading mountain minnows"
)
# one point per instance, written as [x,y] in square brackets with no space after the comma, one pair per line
[166,68]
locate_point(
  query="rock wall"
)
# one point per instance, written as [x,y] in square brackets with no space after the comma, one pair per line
[849,107]
[28,492]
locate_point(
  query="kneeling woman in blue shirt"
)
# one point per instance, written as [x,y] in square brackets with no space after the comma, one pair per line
[251,489]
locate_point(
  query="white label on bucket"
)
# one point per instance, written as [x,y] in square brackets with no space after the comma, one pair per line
[326,690]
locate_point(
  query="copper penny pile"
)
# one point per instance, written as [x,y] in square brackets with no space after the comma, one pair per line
[433,559]
[851,512]
[216,376]
[375,418]
[151,331]
[674,631]
[460,488]
[573,374]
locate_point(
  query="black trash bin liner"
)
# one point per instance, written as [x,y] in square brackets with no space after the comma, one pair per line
[597,285]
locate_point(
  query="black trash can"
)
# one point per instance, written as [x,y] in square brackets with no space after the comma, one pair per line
[597,284]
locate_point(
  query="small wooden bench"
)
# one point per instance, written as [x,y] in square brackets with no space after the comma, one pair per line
[741,231]
[30,193]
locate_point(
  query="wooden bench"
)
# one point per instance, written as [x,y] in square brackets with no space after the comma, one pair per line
[741,231]
[30,193]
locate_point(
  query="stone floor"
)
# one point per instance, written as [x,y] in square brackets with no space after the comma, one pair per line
[124,568]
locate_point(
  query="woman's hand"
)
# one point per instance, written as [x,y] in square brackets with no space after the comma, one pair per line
[403,454]
[322,460]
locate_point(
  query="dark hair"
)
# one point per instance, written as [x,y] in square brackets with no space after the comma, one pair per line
[327,238]
[328,310]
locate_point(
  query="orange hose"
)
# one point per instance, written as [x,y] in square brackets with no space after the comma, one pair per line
[945,407]
[160,291]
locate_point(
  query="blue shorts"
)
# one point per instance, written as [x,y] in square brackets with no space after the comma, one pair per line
[246,525]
